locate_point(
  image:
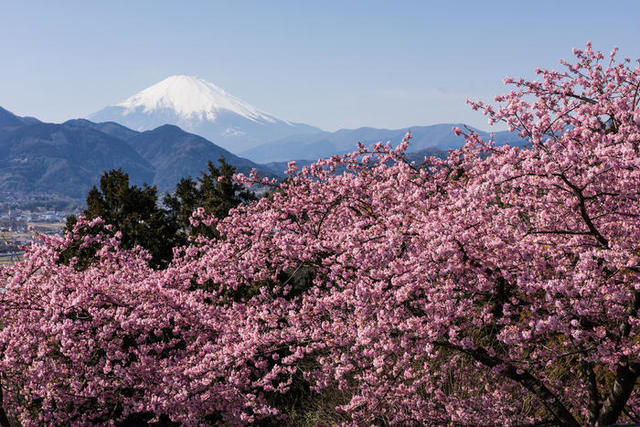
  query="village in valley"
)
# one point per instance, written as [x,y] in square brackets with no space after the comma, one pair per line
[22,217]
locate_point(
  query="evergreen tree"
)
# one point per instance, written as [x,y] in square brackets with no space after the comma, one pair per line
[215,191]
[133,211]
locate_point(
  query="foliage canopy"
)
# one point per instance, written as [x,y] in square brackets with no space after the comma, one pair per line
[498,286]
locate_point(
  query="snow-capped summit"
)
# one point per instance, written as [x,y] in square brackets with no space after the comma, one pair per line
[200,107]
[191,98]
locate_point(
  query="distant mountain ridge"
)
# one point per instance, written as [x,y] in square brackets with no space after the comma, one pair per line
[68,158]
[202,108]
[175,153]
[324,144]
[10,120]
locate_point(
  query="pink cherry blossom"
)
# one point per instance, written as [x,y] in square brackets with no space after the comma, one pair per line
[497,287]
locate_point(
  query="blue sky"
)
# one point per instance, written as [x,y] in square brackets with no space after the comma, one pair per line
[332,64]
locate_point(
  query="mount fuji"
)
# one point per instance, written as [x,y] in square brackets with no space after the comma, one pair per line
[202,108]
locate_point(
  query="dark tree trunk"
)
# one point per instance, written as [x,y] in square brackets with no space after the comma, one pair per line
[626,377]
[4,421]
[595,402]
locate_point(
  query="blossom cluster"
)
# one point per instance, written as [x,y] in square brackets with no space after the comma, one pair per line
[498,286]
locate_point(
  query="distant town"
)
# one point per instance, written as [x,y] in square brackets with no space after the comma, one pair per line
[24,216]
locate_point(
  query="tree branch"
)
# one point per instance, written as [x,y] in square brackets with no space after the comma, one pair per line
[626,375]
[595,404]
[583,212]
[524,378]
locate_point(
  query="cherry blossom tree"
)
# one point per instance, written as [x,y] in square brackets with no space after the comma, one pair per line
[496,287]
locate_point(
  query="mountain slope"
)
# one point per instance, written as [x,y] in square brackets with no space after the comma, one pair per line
[53,158]
[8,120]
[202,108]
[175,153]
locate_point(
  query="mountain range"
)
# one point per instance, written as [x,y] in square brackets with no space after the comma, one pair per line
[203,108]
[324,144]
[144,136]
[68,158]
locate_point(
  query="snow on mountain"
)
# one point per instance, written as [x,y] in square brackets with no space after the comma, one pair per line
[191,97]
[202,108]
